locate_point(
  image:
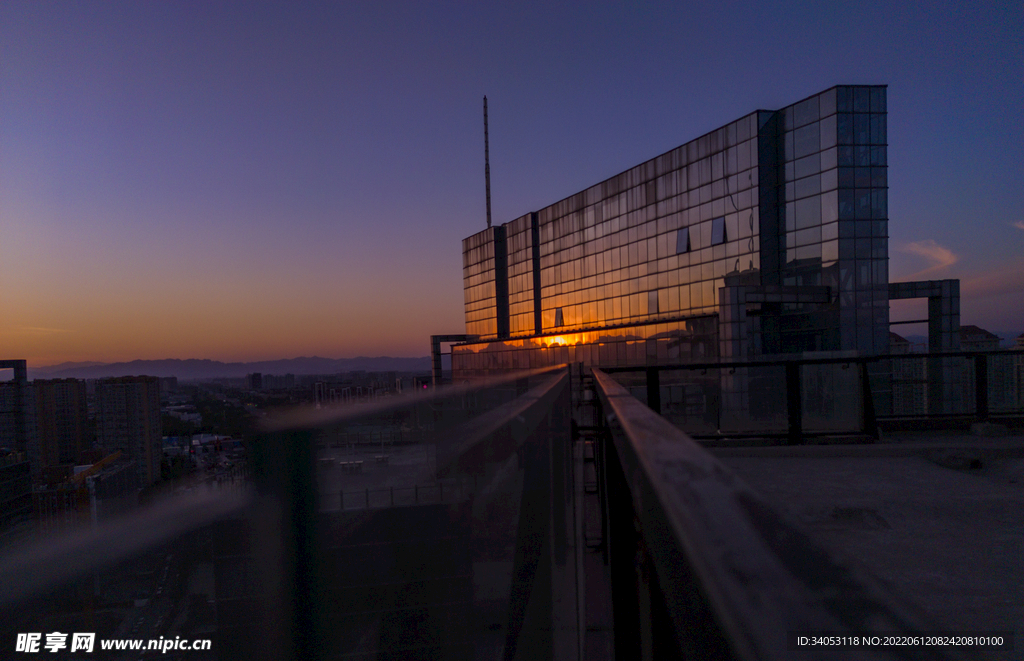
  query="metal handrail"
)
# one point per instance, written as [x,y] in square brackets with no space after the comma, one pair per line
[306,418]
[723,558]
[800,359]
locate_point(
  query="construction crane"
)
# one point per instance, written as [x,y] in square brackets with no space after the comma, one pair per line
[95,468]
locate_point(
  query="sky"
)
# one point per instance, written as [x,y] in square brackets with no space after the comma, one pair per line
[246,181]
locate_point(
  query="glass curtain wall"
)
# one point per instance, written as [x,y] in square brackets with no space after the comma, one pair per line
[796,197]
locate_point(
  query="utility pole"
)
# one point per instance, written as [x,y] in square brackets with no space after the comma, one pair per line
[487,165]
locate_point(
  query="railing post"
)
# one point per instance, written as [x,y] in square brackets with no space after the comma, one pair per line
[794,402]
[645,611]
[867,403]
[981,387]
[285,463]
[622,545]
[341,499]
[654,389]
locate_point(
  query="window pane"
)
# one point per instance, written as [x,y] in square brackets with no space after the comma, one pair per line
[846,203]
[862,129]
[805,112]
[807,166]
[827,103]
[829,207]
[808,236]
[879,204]
[827,132]
[718,231]
[877,129]
[829,159]
[861,99]
[878,99]
[683,241]
[808,213]
[844,128]
[652,302]
[863,210]
[808,186]
[830,251]
[844,99]
[829,180]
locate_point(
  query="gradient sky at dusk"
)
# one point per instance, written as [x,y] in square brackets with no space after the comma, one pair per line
[244,181]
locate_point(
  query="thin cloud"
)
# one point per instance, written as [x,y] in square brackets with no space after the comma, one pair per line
[1007,280]
[1019,224]
[36,330]
[940,257]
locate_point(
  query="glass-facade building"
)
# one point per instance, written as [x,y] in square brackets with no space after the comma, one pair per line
[767,236]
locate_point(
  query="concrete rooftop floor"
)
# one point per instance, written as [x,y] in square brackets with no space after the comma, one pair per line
[938,517]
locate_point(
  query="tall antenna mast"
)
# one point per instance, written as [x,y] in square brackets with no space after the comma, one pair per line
[487,165]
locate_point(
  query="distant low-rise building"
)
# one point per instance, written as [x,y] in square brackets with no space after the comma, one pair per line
[185,413]
[93,492]
[1000,369]
[1018,372]
[909,379]
[278,382]
[973,338]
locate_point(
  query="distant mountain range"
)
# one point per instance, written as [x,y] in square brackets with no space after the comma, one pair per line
[192,368]
[210,369]
[1006,339]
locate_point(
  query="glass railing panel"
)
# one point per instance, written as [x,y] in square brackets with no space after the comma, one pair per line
[390,528]
[144,580]
[1005,381]
[754,400]
[692,399]
[831,399]
[425,523]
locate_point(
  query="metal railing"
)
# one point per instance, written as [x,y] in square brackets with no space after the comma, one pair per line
[428,555]
[702,568]
[801,397]
[323,554]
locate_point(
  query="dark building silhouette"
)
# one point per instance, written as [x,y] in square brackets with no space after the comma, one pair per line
[15,496]
[128,419]
[254,381]
[18,414]
[61,420]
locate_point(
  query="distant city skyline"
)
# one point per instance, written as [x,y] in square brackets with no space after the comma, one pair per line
[242,183]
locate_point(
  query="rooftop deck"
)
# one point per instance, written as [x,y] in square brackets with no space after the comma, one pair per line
[551,513]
